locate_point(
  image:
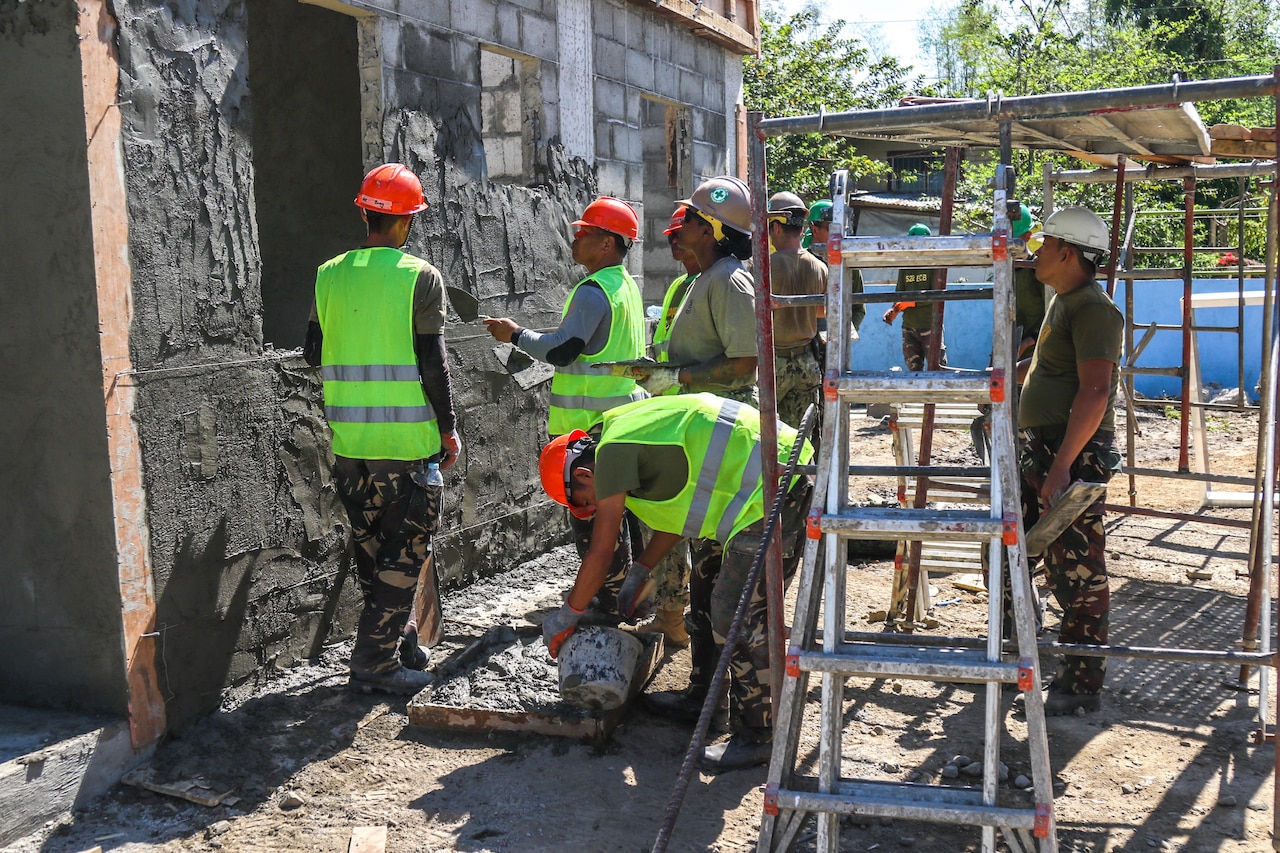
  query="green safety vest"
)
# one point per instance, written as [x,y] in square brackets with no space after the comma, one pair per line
[721,440]
[670,307]
[580,393]
[373,393]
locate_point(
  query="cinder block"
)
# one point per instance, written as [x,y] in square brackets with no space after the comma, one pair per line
[610,58]
[466,60]
[690,87]
[426,51]
[635,181]
[713,92]
[640,70]
[475,17]
[509,26]
[627,145]
[610,96]
[634,102]
[612,177]
[708,58]
[683,50]
[666,80]
[538,36]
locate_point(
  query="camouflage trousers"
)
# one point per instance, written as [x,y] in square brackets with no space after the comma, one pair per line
[915,349]
[797,385]
[1076,562]
[393,515]
[715,587]
[671,573]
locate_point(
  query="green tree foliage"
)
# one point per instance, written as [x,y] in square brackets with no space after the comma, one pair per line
[806,66]
[1042,46]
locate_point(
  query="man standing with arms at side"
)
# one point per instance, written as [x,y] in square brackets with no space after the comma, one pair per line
[602,321]
[794,272]
[1067,418]
[376,334]
[917,318]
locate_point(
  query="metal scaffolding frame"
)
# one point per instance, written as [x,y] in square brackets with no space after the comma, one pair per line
[1005,111]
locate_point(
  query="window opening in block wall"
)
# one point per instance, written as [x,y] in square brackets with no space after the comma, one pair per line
[916,172]
[510,105]
[307,156]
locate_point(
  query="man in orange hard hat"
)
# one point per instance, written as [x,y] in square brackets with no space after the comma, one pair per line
[602,322]
[376,334]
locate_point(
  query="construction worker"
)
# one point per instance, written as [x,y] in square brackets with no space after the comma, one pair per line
[1067,418]
[819,231]
[602,321]
[1028,292]
[794,272]
[676,291]
[917,318]
[712,342]
[376,335]
[688,466]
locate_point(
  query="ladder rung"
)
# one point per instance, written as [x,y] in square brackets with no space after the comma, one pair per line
[905,800]
[865,660]
[912,524]
[926,386]
[966,250]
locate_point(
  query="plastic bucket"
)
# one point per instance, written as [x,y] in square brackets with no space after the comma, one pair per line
[596,667]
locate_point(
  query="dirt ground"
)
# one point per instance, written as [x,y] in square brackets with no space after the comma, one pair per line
[1168,764]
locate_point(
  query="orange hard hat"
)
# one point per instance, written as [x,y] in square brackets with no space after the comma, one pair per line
[392,188]
[553,468]
[613,215]
[677,221]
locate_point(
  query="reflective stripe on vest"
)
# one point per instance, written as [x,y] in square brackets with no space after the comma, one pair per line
[373,393]
[721,441]
[580,393]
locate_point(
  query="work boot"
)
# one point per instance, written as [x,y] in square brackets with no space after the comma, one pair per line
[1060,703]
[685,706]
[746,748]
[412,655]
[407,682]
[671,624]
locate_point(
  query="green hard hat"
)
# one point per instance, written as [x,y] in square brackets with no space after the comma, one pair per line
[1022,224]
[820,211]
[919,230]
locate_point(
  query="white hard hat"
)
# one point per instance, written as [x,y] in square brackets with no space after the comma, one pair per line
[1080,227]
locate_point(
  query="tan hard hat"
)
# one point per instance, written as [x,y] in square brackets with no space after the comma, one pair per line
[725,199]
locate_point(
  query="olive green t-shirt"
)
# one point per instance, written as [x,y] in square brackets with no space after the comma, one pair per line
[920,316]
[1079,326]
[795,273]
[1028,299]
[651,472]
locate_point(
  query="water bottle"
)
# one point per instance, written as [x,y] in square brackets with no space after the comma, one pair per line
[434,477]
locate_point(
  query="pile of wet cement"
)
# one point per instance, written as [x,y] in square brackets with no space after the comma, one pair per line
[511,673]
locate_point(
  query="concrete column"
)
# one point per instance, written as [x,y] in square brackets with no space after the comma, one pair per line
[368,33]
[735,143]
[577,73]
[101,73]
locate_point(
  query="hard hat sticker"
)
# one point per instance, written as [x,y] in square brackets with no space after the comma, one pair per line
[719,194]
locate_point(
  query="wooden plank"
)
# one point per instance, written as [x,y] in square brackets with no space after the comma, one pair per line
[1243,148]
[368,839]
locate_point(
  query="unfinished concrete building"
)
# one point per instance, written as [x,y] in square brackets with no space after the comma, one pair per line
[173,175]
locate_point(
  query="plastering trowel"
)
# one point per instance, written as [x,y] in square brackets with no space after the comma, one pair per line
[466,306]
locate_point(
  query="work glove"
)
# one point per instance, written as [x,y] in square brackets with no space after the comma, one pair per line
[452,447]
[557,627]
[657,380]
[636,599]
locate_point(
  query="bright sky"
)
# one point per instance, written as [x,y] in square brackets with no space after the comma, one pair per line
[896,27]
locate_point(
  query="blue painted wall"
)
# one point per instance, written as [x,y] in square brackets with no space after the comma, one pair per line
[967,334]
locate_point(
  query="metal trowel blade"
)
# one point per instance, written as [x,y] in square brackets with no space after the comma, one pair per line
[466,306]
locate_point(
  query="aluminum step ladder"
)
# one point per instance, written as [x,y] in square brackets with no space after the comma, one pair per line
[839,654]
